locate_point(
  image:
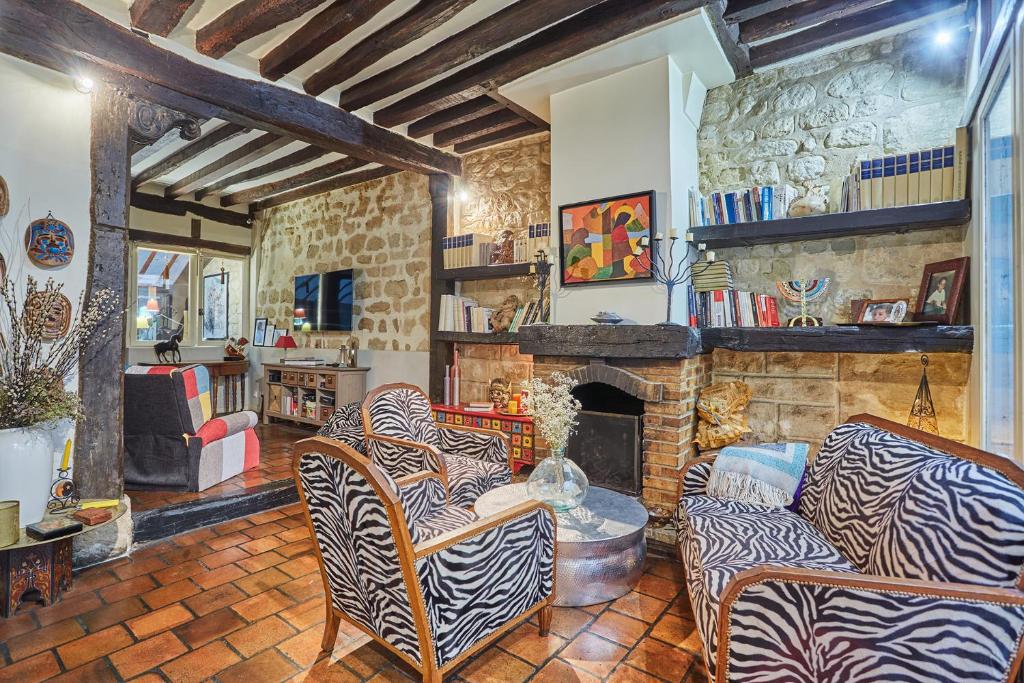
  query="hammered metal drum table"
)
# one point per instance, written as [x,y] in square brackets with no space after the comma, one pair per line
[601,543]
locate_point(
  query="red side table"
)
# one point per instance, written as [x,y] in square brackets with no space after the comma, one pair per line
[519,428]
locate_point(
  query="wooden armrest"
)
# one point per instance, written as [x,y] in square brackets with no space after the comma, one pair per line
[439,543]
[417,477]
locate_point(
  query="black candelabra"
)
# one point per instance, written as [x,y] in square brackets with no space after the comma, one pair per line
[667,271]
[540,268]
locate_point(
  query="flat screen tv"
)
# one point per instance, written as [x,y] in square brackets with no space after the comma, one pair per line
[323,302]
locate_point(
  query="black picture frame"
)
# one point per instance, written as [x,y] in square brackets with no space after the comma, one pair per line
[651,232]
[259,332]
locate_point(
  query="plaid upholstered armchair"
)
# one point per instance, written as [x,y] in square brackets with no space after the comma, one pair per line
[402,437]
[432,597]
[171,439]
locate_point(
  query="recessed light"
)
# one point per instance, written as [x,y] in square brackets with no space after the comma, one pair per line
[943,37]
[84,84]
[463,196]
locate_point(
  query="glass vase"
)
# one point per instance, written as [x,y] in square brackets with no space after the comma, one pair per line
[558,481]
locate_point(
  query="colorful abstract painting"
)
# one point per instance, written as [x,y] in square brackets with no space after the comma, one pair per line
[600,239]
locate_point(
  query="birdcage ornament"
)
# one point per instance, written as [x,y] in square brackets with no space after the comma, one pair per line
[922,413]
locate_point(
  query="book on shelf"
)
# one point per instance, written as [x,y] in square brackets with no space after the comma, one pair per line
[303,361]
[732,308]
[758,203]
[476,249]
[711,275]
[462,314]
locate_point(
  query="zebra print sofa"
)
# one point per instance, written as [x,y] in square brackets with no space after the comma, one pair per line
[431,600]
[402,437]
[904,563]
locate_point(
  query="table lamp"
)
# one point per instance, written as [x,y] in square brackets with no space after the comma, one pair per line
[286,342]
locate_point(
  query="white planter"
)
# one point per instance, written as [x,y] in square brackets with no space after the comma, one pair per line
[26,468]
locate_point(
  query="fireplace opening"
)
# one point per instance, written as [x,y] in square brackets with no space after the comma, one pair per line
[608,442]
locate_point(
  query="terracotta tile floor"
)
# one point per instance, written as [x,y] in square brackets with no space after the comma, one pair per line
[243,601]
[275,464]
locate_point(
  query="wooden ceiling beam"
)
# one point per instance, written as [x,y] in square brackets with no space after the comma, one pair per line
[736,53]
[798,17]
[158,16]
[313,175]
[247,19]
[594,27]
[341,181]
[66,36]
[329,26]
[180,207]
[423,17]
[237,158]
[743,10]
[221,133]
[497,137]
[460,113]
[297,158]
[499,120]
[501,28]
[848,28]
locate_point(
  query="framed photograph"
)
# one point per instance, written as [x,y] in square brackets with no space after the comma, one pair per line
[278,333]
[599,239]
[259,333]
[215,306]
[268,338]
[942,288]
[883,311]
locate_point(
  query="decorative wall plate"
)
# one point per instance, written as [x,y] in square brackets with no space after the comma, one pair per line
[3,268]
[5,198]
[49,242]
[57,317]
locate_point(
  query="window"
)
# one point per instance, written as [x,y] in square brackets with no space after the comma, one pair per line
[166,283]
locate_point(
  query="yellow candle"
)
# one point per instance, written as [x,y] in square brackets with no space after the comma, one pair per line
[67,455]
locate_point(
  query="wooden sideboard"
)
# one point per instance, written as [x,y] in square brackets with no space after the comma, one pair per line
[309,393]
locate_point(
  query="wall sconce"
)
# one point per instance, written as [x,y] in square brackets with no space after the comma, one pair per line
[84,84]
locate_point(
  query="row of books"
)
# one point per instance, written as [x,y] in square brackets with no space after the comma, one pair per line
[526,315]
[758,203]
[477,249]
[922,177]
[536,238]
[731,308]
[461,314]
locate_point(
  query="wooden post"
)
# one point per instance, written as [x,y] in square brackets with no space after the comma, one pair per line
[440,352]
[99,442]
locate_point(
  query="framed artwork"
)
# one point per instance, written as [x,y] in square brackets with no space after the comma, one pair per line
[942,288]
[268,339]
[49,243]
[599,239]
[278,333]
[259,333]
[215,306]
[883,311]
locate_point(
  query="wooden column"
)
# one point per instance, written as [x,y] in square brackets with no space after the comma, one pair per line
[99,444]
[440,352]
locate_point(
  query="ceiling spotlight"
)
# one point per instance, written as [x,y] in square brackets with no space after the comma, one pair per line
[84,84]
[943,37]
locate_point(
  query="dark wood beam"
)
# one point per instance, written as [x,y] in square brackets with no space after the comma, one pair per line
[453,116]
[847,28]
[501,28]
[329,185]
[66,36]
[158,16]
[247,19]
[797,17]
[423,17]
[441,353]
[180,207]
[220,134]
[742,10]
[169,139]
[165,239]
[311,176]
[237,158]
[297,158]
[514,133]
[597,26]
[737,55]
[499,120]
[522,111]
[329,26]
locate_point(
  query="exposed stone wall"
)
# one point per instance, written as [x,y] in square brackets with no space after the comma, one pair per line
[805,124]
[802,396]
[382,230]
[480,363]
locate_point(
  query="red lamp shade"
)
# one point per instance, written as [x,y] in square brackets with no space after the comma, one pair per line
[285,342]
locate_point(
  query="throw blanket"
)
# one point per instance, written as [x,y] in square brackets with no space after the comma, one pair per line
[767,474]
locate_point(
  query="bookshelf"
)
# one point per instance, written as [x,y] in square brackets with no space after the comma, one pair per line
[895,220]
[475,337]
[324,386]
[486,272]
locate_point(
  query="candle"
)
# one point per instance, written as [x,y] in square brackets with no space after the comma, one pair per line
[711,256]
[659,236]
[689,236]
[533,268]
[672,234]
[65,461]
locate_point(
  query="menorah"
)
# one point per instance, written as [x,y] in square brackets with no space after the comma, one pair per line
[666,271]
[804,291]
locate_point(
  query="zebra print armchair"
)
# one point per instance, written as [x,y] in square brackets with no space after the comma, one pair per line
[402,437]
[905,563]
[432,598]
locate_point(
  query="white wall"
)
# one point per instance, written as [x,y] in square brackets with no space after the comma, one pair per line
[627,132]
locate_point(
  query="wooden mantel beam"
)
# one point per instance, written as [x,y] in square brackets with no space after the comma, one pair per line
[158,16]
[247,19]
[65,35]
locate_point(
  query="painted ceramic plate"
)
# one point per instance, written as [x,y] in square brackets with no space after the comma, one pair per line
[56,317]
[5,198]
[3,268]
[49,243]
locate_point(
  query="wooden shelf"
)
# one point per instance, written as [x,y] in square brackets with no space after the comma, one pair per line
[836,225]
[486,272]
[476,337]
[843,339]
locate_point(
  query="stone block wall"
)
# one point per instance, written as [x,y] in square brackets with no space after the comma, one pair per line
[801,396]
[480,363]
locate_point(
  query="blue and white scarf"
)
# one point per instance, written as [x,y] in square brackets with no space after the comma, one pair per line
[766,474]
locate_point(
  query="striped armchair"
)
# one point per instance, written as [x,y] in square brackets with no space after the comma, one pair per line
[171,439]
[402,437]
[431,595]
[905,563]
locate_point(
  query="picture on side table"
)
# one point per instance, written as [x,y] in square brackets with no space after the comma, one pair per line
[601,241]
[942,286]
[268,339]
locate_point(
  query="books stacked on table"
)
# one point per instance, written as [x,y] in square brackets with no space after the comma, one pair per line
[732,308]
[707,276]
[479,407]
[758,203]
[462,314]
[931,175]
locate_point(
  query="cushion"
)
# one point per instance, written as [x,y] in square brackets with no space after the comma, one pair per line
[448,519]
[468,479]
[768,474]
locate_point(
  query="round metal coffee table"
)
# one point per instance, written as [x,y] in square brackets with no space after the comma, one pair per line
[601,543]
